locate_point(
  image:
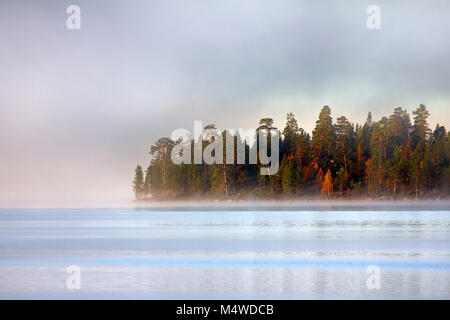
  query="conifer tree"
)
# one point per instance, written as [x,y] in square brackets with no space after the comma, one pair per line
[323,139]
[344,143]
[420,131]
[138,182]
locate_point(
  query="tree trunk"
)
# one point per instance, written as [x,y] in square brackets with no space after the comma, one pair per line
[395,188]
[225,180]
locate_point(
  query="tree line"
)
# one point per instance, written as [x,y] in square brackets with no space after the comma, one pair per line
[392,158]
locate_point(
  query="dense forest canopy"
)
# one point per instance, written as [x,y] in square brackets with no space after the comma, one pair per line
[392,158]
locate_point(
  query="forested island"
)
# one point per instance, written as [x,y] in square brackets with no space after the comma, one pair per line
[393,158]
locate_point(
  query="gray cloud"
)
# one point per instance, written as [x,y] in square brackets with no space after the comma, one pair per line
[79,109]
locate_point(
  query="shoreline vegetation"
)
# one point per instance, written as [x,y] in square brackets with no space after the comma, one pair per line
[390,159]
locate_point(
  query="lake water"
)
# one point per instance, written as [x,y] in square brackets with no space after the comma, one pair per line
[225,253]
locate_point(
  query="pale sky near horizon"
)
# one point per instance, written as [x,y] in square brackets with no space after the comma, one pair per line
[80,108]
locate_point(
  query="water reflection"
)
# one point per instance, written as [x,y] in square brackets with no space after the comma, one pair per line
[224,254]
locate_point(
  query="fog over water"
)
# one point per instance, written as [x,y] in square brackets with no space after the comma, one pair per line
[79,109]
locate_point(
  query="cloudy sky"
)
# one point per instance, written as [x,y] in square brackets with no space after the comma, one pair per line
[80,108]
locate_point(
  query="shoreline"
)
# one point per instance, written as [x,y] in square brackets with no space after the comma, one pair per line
[296,205]
[246,205]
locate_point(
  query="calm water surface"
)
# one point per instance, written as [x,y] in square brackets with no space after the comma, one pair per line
[140,253]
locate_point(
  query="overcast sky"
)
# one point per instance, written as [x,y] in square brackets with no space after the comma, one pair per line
[80,108]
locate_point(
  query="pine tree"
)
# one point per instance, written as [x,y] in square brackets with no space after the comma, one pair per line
[378,149]
[147,182]
[399,127]
[323,139]
[417,165]
[160,152]
[342,180]
[439,159]
[420,131]
[267,182]
[138,182]
[344,143]
[286,176]
[290,135]
[364,134]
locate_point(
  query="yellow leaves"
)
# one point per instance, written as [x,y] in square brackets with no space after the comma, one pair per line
[327,185]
